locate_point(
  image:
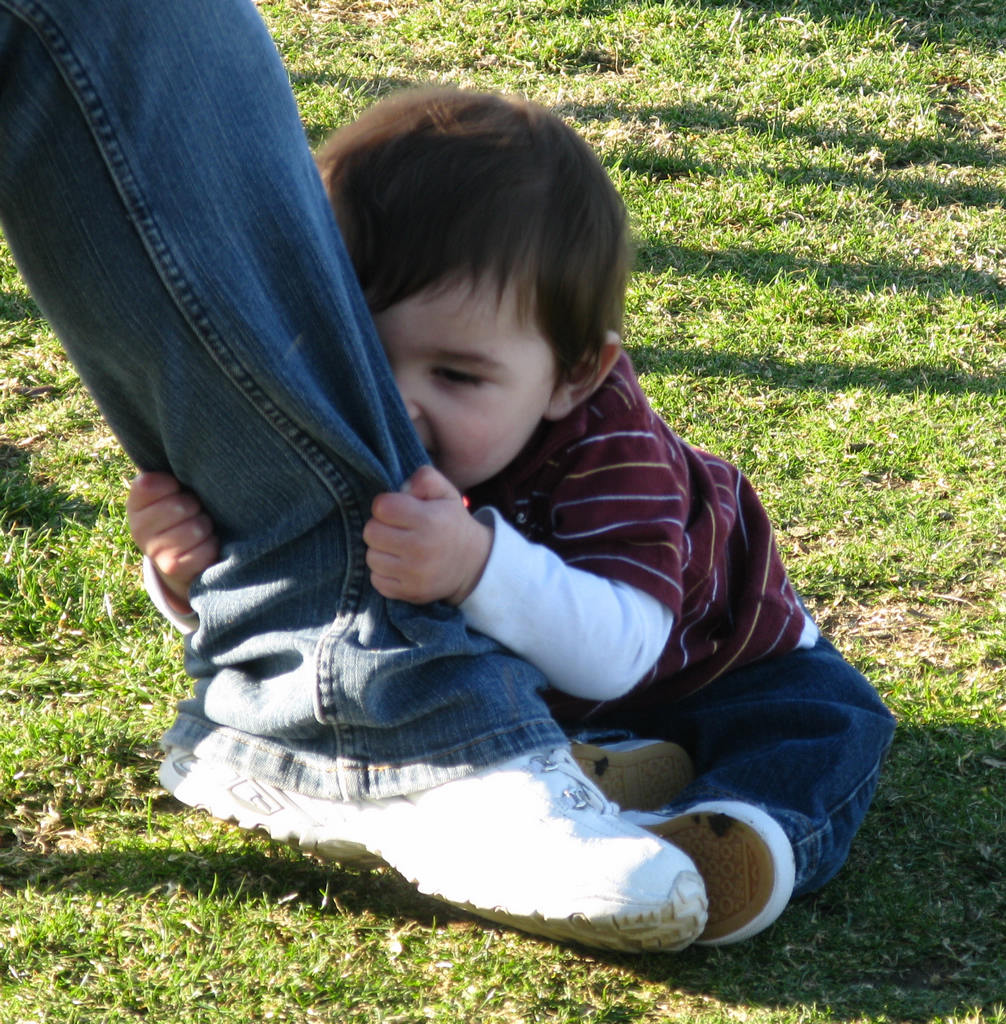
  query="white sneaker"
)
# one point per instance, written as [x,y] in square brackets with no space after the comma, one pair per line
[744,857]
[531,843]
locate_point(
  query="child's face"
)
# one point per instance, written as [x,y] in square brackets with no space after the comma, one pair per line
[475,377]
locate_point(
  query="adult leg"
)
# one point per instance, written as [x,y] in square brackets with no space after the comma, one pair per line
[159,196]
[164,207]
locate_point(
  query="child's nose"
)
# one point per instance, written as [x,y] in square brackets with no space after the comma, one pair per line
[419,423]
[406,389]
[412,409]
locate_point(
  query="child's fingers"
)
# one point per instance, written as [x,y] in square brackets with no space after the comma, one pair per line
[429,484]
[147,488]
[176,564]
[385,572]
[383,563]
[379,536]
[387,586]
[389,581]
[396,510]
[149,521]
[184,535]
[402,579]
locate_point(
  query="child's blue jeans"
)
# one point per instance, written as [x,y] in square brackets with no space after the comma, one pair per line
[802,736]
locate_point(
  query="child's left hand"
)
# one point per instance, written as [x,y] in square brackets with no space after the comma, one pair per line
[170,527]
[422,543]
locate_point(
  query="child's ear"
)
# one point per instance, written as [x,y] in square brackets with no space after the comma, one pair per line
[569,393]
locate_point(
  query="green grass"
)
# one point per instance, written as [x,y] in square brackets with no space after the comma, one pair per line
[818,195]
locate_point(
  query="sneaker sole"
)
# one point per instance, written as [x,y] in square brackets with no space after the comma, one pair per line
[736,866]
[642,779]
[668,930]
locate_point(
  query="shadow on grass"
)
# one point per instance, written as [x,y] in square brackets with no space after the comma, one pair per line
[15,308]
[957,145]
[911,928]
[975,21]
[954,147]
[762,266]
[33,504]
[33,512]
[937,21]
[364,91]
[812,375]
[972,21]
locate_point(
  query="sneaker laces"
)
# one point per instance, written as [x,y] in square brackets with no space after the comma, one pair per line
[569,782]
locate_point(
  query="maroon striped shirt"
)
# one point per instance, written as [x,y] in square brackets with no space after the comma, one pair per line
[613,490]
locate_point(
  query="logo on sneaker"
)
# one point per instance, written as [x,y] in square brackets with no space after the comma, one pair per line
[183,765]
[248,792]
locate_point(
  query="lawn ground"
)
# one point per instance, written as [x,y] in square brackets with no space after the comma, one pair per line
[817,189]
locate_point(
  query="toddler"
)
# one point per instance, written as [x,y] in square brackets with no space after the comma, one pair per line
[563,517]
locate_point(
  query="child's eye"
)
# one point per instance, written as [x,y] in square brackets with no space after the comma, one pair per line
[453,376]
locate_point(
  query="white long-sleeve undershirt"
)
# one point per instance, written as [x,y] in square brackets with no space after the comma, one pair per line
[591,637]
[158,594]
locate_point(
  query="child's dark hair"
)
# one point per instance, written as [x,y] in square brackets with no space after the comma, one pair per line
[440,186]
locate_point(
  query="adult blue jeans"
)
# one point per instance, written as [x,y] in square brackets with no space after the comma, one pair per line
[162,203]
[802,736]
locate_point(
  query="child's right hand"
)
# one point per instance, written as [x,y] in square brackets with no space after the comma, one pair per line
[170,527]
[422,543]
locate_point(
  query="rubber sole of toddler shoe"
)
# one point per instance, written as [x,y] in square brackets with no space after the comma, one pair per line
[745,860]
[664,918]
[637,775]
